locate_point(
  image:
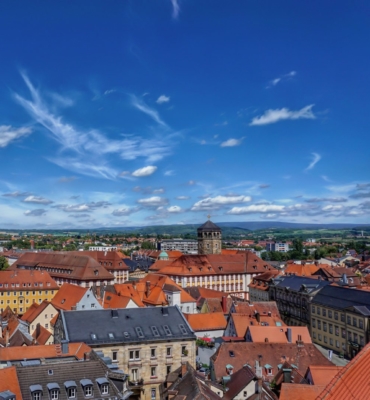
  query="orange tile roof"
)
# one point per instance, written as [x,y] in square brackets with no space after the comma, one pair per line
[293,391]
[111,260]
[128,290]
[278,334]
[112,300]
[23,279]
[302,270]
[68,296]
[48,351]
[206,321]
[322,374]
[352,381]
[9,381]
[42,335]
[35,311]
[54,320]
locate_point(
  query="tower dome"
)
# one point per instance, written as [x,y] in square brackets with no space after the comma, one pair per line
[209,238]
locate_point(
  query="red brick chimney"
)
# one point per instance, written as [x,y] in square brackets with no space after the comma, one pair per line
[184,368]
[147,290]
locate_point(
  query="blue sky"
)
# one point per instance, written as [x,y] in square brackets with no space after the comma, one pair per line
[142,112]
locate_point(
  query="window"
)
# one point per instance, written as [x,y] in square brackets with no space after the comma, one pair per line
[134,355]
[152,353]
[337,344]
[169,351]
[331,341]
[36,396]
[153,371]
[343,333]
[135,374]
[313,309]
[325,339]
[348,320]
[153,394]
[46,326]
[354,321]
[184,351]
[104,389]
[330,314]
[88,391]
[318,311]
[361,323]
[168,369]
[342,317]
[114,355]
[320,336]
[336,331]
[336,316]
[313,323]
[362,342]
[314,335]
[324,312]
[324,328]
[319,324]
[54,394]
[355,338]
[330,328]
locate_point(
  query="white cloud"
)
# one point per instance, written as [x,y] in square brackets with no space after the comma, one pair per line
[163,99]
[109,91]
[176,8]
[143,107]
[37,200]
[332,207]
[273,116]
[17,194]
[145,171]
[84,207]
[315,159]
[232,142]
[182,197]
[169,173]
[160,190]
[154,201]
[275,81]
[214,203]
[124,211]
[9,134]
[35,213]
[174,209]
[257,208]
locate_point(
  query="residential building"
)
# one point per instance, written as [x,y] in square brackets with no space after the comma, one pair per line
[293,295]
[90,378]
[70,297]
[211,325]
[66,267]
[186,246]
[277,334]
[186,384]
[21,288]
[112,260]
[103,248]
[277,246]
[147,342]
[259,287]
[340,319]
[231,357]
[40,315]
[228,273]
[209,238]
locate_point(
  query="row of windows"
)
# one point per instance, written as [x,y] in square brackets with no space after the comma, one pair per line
[350,320]
[71,392]
[35,284]
[27,293]
[134,355]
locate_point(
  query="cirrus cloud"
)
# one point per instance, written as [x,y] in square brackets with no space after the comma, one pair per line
[232,142]
[38,212]
[163,99]
[9,134]
[37,200]
[272,116]
[145,171]
[214,203]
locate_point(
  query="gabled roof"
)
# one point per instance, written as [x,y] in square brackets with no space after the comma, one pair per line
[9,381]
[19,353]
[322,374]
[26,279]
[239,353]
[41,335]
[206,321]
[129,290]
[112,300]
[276,334]
[111,260]
[290,391]
[352,381]
[68,296]
[34,311]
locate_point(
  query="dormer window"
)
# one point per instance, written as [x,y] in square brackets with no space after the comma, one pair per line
[87,386]
[36,392]
[103,384]
[54,390]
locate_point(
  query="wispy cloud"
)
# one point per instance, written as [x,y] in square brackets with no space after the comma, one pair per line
[9,134]
[162,99]
[182,197]
[281,78]
[215,203]
[315,159]
[154,201]
[325,178]
[35,213]
[169,173]
[143,107]
[145,171]
[175,9]
[273,116]
[124,211]
[83,207]
[232,142]
[17,194]
[79,147]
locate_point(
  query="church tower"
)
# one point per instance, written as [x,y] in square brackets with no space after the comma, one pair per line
[209,238]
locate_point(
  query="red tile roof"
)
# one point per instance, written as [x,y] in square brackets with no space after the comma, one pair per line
[322,374]
[9,381]
[34,311]
[16,280]
[111,260]
[112,300]
[41,335]
[292,391]
[206,321]
[68,296]
[279,334]
[352,381]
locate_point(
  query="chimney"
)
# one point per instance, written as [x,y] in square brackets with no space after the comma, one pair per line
[266,340]
[258,316]
[87,356]
[65,346]
[287,375]
[147,291]
[165,311]
[184,368]
[289,334]
[224,304]
[38,330]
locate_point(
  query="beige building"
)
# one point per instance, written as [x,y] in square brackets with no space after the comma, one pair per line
[146,343]
[340,319]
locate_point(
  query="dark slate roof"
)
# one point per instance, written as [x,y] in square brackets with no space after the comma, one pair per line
[340,298]
[294,283]
[209,226]
[126,325]
[238,382]
[141,263]
[64,374]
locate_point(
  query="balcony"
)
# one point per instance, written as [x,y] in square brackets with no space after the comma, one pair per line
[136,384]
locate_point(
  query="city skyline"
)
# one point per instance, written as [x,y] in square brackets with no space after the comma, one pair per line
[147,113]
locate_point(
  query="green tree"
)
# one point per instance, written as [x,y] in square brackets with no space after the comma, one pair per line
[3,263]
